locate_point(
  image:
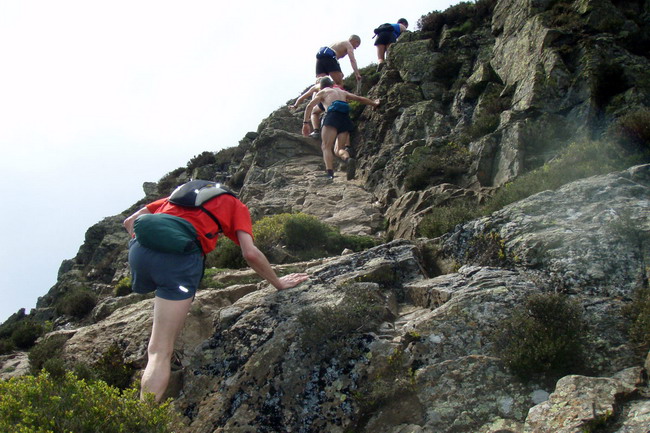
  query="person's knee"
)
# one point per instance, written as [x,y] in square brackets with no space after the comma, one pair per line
[160,350]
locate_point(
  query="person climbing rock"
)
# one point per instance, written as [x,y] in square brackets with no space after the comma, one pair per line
[387,35]
[336,124]
[170,238]
[327,59]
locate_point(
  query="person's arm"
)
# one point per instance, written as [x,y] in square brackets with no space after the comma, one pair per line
[306,123]
[304,96]
[128,222]
[260,264]
[353,62]
[366,101]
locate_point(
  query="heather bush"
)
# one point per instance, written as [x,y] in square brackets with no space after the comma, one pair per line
[76,303]
[578,160]
[67,404]
[123,287]
[544,336]
[25,333]
[333,330]
[302,236]
[638,314]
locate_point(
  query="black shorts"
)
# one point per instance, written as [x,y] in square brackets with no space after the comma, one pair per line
[338,120]
[327,65]
[385,38]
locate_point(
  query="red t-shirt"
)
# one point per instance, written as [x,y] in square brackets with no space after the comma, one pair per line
[231,213]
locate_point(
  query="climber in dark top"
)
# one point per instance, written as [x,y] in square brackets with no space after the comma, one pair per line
[387,36]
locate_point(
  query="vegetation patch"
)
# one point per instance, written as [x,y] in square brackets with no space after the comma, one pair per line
[632,130]
[76,303]
[544,336]
[580,159]
[638,314]
[299,236]
[463,17]
[392,378]
[428,166]
[123,287]
[333,331]
[46,404]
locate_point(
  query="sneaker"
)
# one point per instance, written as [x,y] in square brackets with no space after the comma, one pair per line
[329,174]
[351,168]
[315,134]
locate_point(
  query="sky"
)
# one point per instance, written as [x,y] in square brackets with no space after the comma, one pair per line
[98,97]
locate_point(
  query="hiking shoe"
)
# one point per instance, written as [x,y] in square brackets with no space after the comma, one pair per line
[351,168]
[329,174]
[315,134]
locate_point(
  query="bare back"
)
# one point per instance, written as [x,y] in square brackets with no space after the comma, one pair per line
[331,94]
[342,48]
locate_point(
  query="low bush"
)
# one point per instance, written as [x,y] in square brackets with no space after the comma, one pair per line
[302,236]
[204,158]
[433,165]
[638,313]
[123,287]
[25,333]
[544,336]
[633,130]
[48,348]
[329,331]
[467,15]
[46,404]
[76,303]
[580,159]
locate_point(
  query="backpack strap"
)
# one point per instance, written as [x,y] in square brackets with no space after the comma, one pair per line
[214,218]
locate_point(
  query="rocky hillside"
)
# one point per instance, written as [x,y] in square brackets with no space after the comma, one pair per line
[415,335]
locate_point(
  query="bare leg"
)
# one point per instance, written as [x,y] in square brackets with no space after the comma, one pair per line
[328,136]
[381,53]
[337,77]
[168,319]
[342,141]
[315,117]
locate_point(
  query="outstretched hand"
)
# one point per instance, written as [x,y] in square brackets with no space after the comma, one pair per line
[292,280]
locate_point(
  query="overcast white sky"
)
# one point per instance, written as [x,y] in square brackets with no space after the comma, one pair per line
[97,97]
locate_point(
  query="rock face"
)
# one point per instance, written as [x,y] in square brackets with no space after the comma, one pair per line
[402,338]
[252,361]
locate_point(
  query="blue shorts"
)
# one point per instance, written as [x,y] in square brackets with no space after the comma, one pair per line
[173,276]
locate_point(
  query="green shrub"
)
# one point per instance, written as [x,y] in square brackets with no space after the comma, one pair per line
[442,219]
[25,333]
[45,404]
[77,303]
[112,369]
[329,331]
[578,160]
[445,68]
[123,287]
[304,232]
[433,165]
[638,312]
[302,236]
[6,346]
[226,255]
[633,129]
[170,181]
[465,14]
[545,336]
[48,348]
[204,158]
[392,378]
